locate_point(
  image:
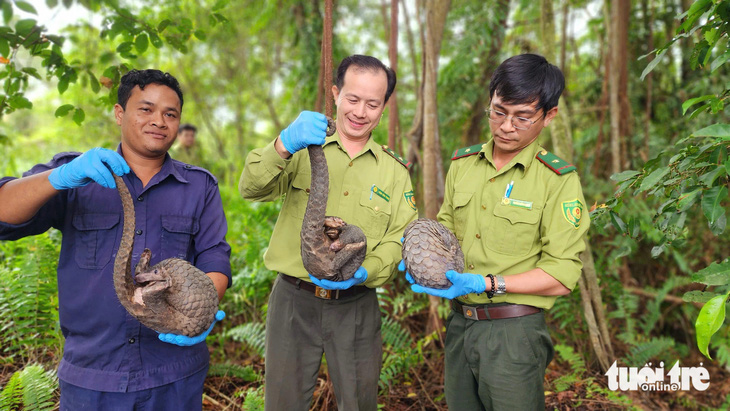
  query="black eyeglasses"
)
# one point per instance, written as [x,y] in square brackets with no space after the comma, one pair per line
[520,123]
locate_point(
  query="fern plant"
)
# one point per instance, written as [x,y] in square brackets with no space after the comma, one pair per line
[31,389]
[246,373]
[29,296]
[251,334]
[399,352]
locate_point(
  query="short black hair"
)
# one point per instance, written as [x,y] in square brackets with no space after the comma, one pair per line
[187,126]
[525,78]
[365,62]
[142,78]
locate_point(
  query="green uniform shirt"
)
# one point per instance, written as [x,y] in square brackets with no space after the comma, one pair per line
[372,191]
[188,155]
[541,225]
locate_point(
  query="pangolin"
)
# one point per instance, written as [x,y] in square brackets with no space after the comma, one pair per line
[429,250]
[172,296]
[331,248]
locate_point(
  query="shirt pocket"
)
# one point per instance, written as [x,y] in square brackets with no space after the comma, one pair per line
[515,229]
[374,215]
[95,239]
[177,234]
[461,213]
[298,195]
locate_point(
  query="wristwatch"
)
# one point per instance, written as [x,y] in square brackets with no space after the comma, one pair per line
[501,285]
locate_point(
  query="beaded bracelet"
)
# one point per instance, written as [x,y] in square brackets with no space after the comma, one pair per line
[490,293]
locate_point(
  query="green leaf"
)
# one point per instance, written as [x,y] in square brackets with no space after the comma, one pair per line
[634,227]
[617,222]
[718,226]
[163,25]
[220,4]
[653,63]
[63,84]
[710,319]
[68,3]
[27,7]
[697,296]
[200,35]
[712,203]
[716,105]
[79,116]
[714,274]
[64,110]
[699,111]
[51,3]
[7,11]
[141,43]
[708,178]
[95,86]
[718,62]
[31,72]
[652,179]
[125,47]
[18,101]
[687,200]
[727,167]
[689,103]
[4,48]
[715,130]
[155,40]
[24,27]
[624,175]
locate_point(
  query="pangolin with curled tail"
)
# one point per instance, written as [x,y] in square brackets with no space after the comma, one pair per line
[331,248]
[172,296]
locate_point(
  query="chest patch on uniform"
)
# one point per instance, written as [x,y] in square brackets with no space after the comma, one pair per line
[408,195]
[380,193]
[573,211]
[517,203]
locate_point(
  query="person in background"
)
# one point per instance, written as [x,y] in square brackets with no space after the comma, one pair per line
[187,148]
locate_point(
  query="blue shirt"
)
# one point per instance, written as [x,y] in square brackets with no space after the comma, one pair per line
[179,214]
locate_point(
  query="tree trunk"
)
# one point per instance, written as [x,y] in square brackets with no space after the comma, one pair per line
[648,7]
[474,125]
[393,123]
[560,132]
[614,78]
[433,182]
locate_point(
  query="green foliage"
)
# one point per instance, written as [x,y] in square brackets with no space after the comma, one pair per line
[246,373]
[399,352]
[28,296]
[253,399]
[251,334]
[577,367]
[31,388]
[710,320]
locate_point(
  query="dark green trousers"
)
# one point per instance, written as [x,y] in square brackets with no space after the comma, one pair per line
[496,364]
[300,327]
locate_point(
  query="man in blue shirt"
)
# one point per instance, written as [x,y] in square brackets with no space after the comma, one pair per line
[110,360]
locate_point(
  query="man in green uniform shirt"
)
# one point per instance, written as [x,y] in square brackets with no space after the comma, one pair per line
[187,149]
[369,186]
[517,212]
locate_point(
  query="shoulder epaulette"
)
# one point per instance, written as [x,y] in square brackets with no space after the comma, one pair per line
[196,168]
[554,163]
[397,157]
[467,151]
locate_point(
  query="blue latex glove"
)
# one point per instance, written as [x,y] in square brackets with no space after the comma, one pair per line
[184,340]
[88,167]
[402,267]
[309,128]
[462,284]
[358,278]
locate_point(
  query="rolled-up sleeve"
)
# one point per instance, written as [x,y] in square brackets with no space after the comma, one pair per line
[265,174]
[561,235]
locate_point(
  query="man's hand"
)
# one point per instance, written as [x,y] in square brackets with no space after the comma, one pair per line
[461,284]
[185,341]
[88,167]
[359,277]
[310,128]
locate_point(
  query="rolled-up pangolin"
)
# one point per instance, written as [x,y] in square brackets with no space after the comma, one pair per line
[429,250]
[172,296]
[331,248]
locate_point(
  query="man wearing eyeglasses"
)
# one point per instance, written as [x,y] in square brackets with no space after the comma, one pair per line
[517,211]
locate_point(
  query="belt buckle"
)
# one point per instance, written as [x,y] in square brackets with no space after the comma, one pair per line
[469,312]
[322,293]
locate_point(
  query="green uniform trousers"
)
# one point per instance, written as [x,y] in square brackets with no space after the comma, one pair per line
[496,364]
[300,327]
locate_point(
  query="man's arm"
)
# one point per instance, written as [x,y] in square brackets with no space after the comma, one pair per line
[21,199]
[220,281]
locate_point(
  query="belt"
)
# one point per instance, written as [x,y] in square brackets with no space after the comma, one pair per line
[493,313]
[323,293]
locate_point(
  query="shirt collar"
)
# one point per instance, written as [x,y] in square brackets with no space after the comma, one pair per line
[374,148]
[524,157]
[168,168]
